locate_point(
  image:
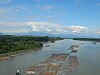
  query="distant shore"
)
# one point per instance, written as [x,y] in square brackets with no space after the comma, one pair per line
[88,39]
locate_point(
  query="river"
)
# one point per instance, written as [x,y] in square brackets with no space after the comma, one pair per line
[88,56]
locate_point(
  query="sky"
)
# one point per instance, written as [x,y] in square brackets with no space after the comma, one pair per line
[80,17]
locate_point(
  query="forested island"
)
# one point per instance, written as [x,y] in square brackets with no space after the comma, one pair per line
[88,39]
[12,43]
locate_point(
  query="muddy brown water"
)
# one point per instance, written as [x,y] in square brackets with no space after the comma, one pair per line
[88,56]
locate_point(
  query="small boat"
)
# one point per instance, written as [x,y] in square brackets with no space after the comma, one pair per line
[18,72]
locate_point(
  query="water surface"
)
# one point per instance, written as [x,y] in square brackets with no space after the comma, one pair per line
[88,56]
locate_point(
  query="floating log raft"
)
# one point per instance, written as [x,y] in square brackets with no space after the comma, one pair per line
[57,57]
[43,69]
[49,66]
[72,47]
[68,66]
[56,64]
[31,70]
[72,63]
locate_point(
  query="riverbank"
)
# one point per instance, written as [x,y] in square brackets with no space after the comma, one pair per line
[10,55]
[11,44]
[7,56]
[85,52]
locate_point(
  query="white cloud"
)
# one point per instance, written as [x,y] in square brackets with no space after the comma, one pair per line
[51,28]
[78,29]
[55,28]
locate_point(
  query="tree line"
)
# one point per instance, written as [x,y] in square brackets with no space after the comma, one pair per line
[88,39]
[11,43]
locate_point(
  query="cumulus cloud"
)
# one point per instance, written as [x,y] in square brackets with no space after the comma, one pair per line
[78,29]
[56,28]
[51,28]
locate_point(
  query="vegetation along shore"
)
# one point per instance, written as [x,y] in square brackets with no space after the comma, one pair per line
[12,43]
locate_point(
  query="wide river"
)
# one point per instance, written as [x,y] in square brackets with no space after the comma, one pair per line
[88,56]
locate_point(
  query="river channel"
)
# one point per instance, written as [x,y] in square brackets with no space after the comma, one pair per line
[88,56]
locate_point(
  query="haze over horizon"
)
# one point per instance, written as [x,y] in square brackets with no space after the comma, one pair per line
[75,17]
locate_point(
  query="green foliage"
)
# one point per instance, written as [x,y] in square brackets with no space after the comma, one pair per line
[17,43]
[10,43]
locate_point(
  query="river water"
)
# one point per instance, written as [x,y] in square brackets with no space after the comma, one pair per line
[88,56]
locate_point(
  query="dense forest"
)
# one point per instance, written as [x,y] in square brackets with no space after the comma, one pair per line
[11,43]
[88,39]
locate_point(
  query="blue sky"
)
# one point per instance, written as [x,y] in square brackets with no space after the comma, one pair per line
[68,13]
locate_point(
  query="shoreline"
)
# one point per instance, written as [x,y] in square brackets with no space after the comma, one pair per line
[7,56]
